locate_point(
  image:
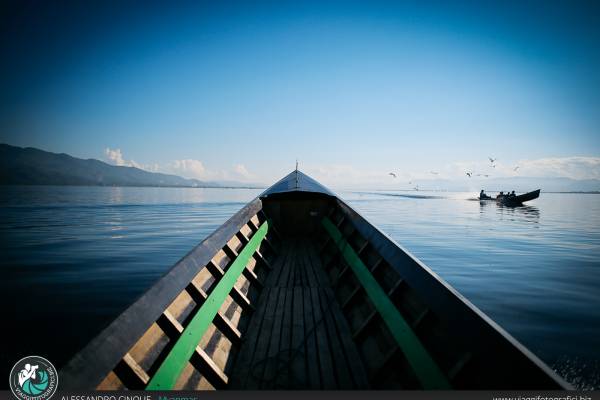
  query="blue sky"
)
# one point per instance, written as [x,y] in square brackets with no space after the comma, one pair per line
[353,90]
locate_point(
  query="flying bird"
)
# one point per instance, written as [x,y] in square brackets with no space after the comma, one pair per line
[516,168]
[492,159]
[433,172]
[416,188]
[392,174]
[469,174]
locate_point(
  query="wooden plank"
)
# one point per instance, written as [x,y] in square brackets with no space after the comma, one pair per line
[396,286]
[221,322]
[363,327]
[285,342]
[271,245]
[207,367]
[344,379]
[317,266]
[259,359]
[386,360]
[301,278]
[312,359]
[251,276]
[308,266]
[170,326]
[298,376]
[377,264]
[359,374]
[282,270]
[260,259]
[252,225]
[274,275]
[273,365]
[275,231]
[199,359]
[352,294]
[460,364]
[242,238]
[131,373]
[343,272]
[324,245]
[239,297]
[425,368]
[175,362]
[324,352]
[292,265]
[287,266]
[230,251]
[215,270]
[363,247]
[420,319]
[244,360]
[263,217]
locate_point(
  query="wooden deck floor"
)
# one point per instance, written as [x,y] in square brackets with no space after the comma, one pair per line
[298,337]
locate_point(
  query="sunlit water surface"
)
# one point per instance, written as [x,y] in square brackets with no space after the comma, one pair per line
[73,258]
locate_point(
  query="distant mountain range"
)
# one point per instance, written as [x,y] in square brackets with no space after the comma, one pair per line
[30,166]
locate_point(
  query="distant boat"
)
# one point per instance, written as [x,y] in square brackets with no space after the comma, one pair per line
[507,200]
[298,291]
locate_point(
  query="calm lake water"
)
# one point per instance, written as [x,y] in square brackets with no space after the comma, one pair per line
[73,258]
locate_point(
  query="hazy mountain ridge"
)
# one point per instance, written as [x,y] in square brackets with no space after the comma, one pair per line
[31,166]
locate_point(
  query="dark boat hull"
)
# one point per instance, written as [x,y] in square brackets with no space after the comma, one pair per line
[520,199]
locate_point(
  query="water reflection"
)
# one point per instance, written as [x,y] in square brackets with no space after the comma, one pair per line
[523,213]
[116,195]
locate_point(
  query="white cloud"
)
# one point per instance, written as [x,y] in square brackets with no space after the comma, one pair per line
[241,170]
[568,167]
[575,167]
[190,168]
[348,176]
[342,175]
[187,168]
[116,158]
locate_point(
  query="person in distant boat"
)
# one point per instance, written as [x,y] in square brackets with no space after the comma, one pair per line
[482,194]
[512,194]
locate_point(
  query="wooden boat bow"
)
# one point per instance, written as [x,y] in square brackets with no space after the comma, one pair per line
[298,290]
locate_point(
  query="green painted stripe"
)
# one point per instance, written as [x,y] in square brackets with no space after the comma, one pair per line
[184,348]
[426,370]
